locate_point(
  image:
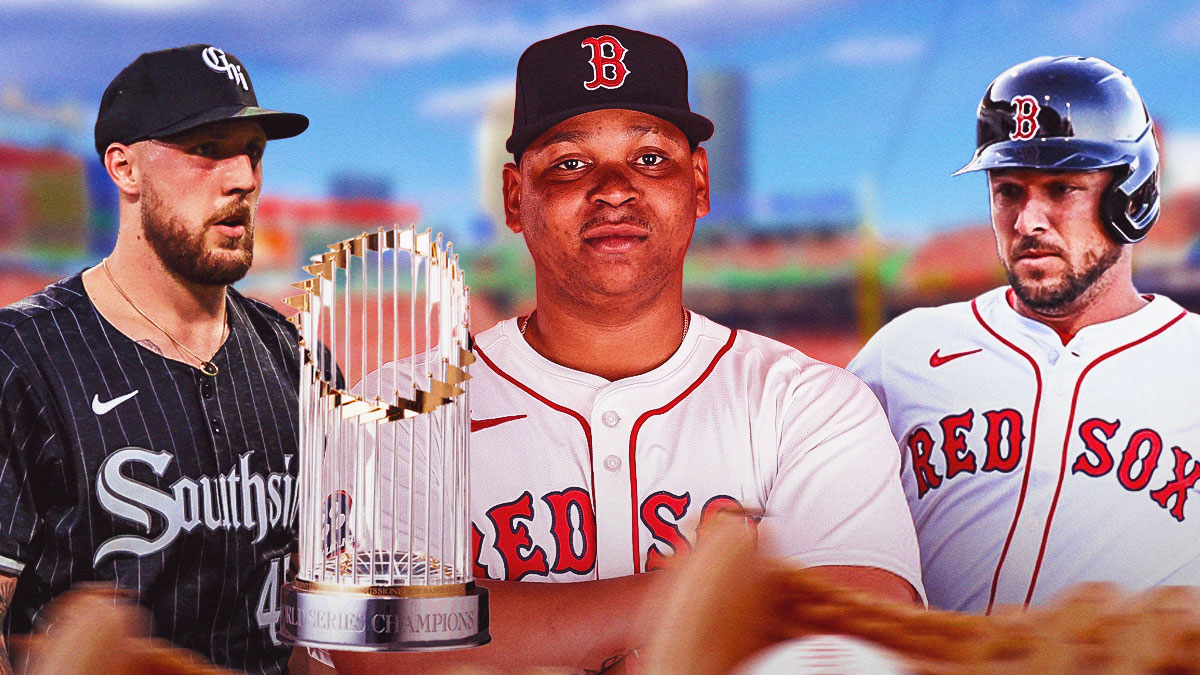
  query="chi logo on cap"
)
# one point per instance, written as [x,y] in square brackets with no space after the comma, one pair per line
[215,59]
[608,62]
[1025,122]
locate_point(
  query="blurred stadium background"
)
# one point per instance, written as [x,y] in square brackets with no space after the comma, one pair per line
[833,209]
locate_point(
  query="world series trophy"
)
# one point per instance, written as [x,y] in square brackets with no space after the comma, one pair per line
[384,552]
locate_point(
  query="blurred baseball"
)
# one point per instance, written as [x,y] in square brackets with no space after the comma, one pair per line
[823,654]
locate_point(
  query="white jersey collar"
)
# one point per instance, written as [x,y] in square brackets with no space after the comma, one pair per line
[530,358]
[996,312]
[508,352]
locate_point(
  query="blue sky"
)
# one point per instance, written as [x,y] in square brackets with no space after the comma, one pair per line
[842,94]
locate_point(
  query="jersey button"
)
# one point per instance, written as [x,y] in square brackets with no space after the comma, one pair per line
[612,463]
[610,419]
[206,389]
[1052,357]
[217,429]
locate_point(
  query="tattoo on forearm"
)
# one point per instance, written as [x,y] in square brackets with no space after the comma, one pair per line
[8,586]
[151,346]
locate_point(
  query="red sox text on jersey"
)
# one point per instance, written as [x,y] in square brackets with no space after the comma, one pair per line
[572,528]
[1004,441]
[1030,465]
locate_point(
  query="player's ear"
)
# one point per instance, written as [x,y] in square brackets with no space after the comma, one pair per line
[700,173]
[119,163]
[512,196]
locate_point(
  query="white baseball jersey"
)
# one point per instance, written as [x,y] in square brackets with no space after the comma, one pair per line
[1030,465]
[574,477]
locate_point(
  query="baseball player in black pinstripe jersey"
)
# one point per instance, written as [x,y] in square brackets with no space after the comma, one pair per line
[147,409]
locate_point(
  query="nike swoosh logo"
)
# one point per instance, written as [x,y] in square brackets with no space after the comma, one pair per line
[480,425]
[936,359]
[101,407]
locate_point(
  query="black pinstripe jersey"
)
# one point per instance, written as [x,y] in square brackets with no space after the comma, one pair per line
[119,465]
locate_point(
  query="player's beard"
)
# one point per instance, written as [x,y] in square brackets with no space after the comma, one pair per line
[1075,283]
[185,254]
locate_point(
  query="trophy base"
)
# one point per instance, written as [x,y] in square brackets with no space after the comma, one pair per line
[349,621]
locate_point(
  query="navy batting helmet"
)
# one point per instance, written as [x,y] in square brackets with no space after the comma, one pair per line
[1072,113]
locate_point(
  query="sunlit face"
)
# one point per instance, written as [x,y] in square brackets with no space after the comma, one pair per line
[607,202]
[1052,243]
[198,199]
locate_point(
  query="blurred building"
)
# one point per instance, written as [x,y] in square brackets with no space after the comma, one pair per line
[722,99]
[48,205]
[494,127]
[32,123]
[351,185]
[290,230]
[949,266]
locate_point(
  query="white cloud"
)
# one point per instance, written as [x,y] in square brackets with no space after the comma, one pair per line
[653,9]
[149,5]
[426,12]
[469,100]
[146,6]
[396,48]
[404,44]
[715,11]
[876,50]
[780,70]
[1181,158]
[1184,30]
[1098,19]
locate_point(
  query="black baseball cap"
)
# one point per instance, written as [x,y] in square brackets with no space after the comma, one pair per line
[597,68]
[169,91]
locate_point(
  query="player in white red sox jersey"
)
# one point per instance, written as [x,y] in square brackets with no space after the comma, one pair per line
[730,420]
[609,423]
[1047,435]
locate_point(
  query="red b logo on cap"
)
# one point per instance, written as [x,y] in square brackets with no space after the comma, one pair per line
[608,62]
[1025,122]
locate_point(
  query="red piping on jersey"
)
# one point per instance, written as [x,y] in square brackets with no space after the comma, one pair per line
[637,426]
[587,430]
[1062,469]
[1037,406]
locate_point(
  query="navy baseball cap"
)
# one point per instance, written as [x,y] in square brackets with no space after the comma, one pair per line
[597,68]
[170,91]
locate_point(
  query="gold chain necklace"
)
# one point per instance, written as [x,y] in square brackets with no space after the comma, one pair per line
[687,316]
[206,366]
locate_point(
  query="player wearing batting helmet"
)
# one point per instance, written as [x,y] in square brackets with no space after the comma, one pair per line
[611,422]
[148,408]
[1046,431]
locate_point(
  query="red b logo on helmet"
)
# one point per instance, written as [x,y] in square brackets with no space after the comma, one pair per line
[608,62]
[1025,123]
